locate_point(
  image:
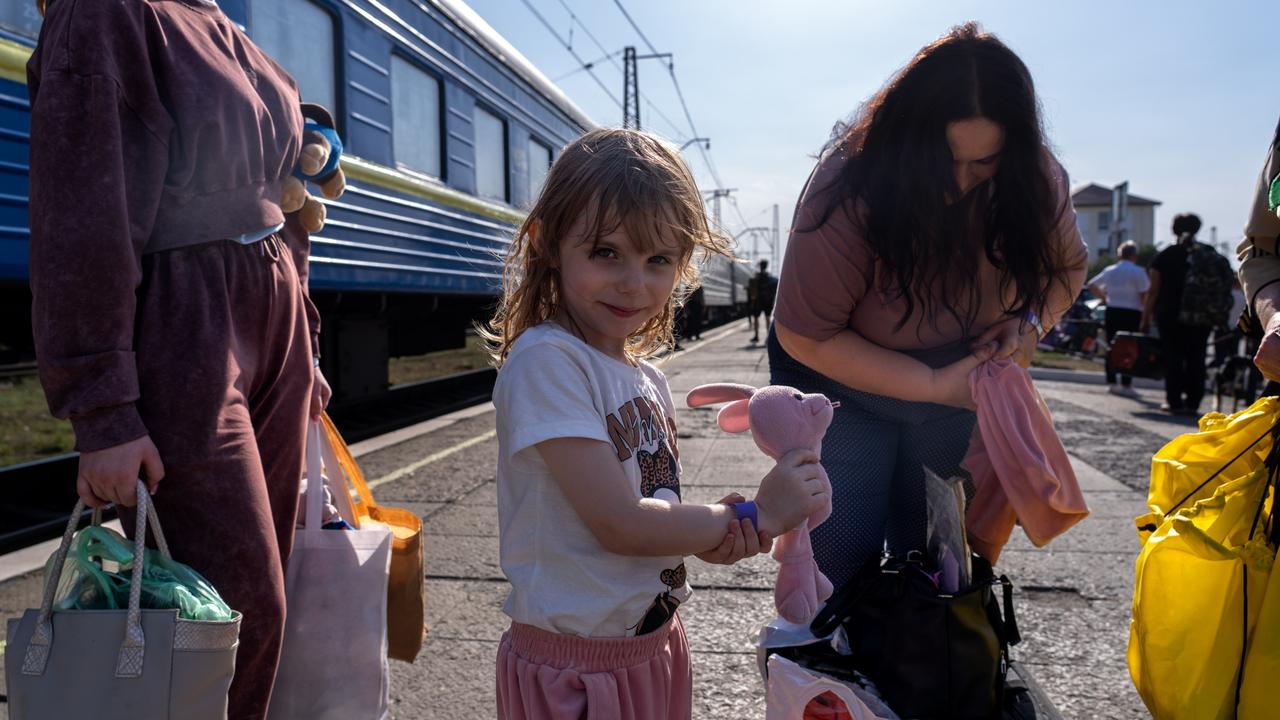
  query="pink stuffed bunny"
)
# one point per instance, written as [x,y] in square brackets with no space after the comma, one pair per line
[781,419]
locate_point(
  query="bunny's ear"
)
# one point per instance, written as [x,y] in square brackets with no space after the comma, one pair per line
[734,417]
[718,393]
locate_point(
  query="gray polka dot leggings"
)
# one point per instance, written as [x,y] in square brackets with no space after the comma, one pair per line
[875,453]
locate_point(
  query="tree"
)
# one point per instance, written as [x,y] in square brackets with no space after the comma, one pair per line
[1146,254]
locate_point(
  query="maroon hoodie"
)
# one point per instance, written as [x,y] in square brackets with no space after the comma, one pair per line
[155,124]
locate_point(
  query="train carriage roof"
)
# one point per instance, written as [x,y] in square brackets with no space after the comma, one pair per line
[475,26]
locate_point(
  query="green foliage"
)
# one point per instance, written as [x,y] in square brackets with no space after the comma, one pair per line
[1145,255]
[27,430]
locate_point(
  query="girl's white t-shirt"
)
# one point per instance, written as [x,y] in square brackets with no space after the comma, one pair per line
[554,385]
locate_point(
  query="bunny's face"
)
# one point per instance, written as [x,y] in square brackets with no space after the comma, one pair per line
[783,419]
[780,418]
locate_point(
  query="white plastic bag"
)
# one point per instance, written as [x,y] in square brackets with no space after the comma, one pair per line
[791,688]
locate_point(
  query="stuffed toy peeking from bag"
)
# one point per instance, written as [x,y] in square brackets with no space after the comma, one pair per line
[782,419]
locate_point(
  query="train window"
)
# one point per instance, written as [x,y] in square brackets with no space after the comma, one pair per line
[491,155]
[299,35]
[539,164]
[21,17]
[415,117]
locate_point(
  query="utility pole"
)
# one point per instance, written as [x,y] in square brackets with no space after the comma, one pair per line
[1119,217]
[631,85]
[775,239]
[716,194]
[630,89]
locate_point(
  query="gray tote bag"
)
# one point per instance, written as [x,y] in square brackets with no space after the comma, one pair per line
[129,664]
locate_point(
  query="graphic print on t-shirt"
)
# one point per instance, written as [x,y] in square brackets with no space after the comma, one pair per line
[659,475]
[640,422]
[641,430]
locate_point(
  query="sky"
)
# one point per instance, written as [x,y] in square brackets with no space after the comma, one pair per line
[1179,98]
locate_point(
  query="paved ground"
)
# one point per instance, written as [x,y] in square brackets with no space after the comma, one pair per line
[1072,601]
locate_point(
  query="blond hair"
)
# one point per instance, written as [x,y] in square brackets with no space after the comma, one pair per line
[614,178]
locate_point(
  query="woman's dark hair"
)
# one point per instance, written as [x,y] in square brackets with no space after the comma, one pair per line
[900,169]
[1186,224]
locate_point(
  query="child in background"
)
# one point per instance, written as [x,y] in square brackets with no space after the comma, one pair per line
[592,531]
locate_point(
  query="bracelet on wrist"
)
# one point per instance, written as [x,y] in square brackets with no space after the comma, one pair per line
[747,511]
[1034,321]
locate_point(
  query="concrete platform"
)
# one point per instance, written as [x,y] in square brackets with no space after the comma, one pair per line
[1072,599]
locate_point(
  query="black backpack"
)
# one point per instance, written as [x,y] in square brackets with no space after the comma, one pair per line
[1206,292]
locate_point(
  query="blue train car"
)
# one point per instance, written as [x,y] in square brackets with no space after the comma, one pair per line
[449,132]
[724,284]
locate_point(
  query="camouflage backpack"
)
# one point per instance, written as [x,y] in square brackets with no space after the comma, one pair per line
[1206,293]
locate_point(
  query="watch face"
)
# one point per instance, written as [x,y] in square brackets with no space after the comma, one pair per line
[1273,198]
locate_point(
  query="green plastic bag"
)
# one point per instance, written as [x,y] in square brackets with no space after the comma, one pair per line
[97,576]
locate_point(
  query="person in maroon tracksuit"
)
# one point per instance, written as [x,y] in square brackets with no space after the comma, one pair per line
[170,311]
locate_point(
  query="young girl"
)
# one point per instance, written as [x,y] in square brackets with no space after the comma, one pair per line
[592,530]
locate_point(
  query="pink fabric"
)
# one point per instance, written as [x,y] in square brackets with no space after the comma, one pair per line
[1019,467]
[548,676]
[782,419]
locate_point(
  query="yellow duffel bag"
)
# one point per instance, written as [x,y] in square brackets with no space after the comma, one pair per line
[1192,466]
[1204,570]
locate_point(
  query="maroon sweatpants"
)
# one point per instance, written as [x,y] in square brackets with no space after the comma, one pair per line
[225,370]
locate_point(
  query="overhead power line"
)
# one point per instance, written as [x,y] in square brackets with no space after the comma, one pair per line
[613,58]
[634,26]
[706,154]
[671,69]
[569,46]
[584,66]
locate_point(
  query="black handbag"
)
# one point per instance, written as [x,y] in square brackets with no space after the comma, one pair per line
[930,654]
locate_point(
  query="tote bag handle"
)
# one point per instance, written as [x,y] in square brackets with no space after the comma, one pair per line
[322,454]
[343,459]
[133,647]
[314,514]
[340,476]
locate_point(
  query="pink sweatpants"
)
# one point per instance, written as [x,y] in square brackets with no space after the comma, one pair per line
[547,676]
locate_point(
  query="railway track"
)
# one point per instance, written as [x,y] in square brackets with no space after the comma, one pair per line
[35,496]
[17,370]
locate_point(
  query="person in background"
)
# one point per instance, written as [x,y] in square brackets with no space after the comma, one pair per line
[694,308]
[762,289]
[1184,337]
[1122,287]
[1260,265]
